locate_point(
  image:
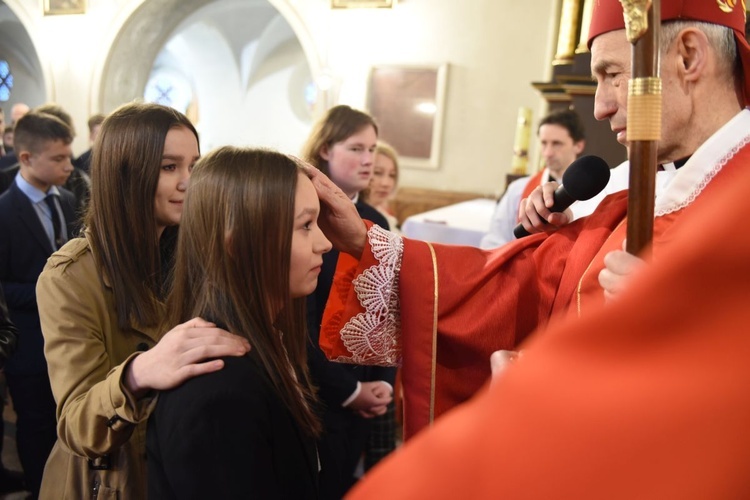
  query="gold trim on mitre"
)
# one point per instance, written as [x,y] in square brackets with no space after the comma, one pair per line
[727,5]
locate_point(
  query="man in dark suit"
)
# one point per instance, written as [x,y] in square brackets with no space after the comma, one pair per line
[78,181]
[84,161]
[37,219]
[347,392]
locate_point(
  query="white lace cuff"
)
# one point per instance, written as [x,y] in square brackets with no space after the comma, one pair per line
[374,336]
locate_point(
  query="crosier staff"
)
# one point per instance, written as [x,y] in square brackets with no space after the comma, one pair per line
[642,24]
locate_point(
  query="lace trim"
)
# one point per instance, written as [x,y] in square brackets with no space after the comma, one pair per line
[373,336]
[707,178]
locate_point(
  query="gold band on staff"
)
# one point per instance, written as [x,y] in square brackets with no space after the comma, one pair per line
[644,109]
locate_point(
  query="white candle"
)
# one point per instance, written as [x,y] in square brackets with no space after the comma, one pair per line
[521,144]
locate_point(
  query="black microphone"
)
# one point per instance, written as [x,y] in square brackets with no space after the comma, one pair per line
[584,179]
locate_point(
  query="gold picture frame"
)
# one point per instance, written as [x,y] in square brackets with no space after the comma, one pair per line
[408,104]
[63,7]
[356,4]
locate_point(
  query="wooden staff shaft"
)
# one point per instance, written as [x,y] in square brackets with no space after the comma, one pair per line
[644,116]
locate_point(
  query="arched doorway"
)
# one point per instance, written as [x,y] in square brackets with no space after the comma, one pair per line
[23,76]
[237,67]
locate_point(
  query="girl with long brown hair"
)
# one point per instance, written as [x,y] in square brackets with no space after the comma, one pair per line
[249,252]
[342,145]
[101,304]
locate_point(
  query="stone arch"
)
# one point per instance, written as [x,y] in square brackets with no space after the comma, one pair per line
[17,29]
[133,50]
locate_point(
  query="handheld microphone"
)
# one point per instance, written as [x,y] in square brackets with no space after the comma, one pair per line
[583,179]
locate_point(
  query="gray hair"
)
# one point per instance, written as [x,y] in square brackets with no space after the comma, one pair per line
[721,38]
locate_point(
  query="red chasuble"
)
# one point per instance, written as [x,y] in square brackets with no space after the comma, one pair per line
[457,305]
[644,398]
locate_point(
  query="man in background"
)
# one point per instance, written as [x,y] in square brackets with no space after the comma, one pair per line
[8,160]
[78,182]
[37,219]
[562,139]
[17,111]
[8,139]
[84,161]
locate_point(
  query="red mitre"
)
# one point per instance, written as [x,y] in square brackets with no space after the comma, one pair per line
[607,16]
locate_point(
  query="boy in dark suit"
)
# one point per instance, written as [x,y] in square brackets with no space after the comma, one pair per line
[37,219]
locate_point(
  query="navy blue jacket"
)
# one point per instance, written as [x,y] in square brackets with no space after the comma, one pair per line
[24,249]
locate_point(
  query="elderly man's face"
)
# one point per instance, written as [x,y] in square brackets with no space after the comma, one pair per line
[610,67]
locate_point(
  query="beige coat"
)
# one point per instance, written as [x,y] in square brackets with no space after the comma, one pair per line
[86,354]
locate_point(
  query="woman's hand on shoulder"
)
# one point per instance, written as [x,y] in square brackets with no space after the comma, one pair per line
[186,351]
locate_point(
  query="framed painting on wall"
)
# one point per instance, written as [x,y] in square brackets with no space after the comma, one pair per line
[353,4]
[56,7]
[408,102]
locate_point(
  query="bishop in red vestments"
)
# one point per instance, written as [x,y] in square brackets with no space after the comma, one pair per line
[442,310]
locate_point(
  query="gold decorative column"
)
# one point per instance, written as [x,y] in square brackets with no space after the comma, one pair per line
[567,37]
[588,7]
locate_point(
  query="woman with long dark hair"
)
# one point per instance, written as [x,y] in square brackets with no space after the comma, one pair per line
[249,253]
[101,305]
[342,146]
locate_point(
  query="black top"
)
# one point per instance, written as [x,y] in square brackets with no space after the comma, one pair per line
[337,381]
[84,161]
[8,332]
[228,435]
[344,431]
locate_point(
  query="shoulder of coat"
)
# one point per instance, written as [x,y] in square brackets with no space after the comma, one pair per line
[71,252]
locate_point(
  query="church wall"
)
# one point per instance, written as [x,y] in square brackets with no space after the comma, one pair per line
[495,48]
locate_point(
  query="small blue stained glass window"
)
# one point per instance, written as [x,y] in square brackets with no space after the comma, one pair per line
[164,94]
[6,80]
[170,89]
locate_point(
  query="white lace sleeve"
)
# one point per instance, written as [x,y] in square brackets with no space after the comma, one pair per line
[373,337]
